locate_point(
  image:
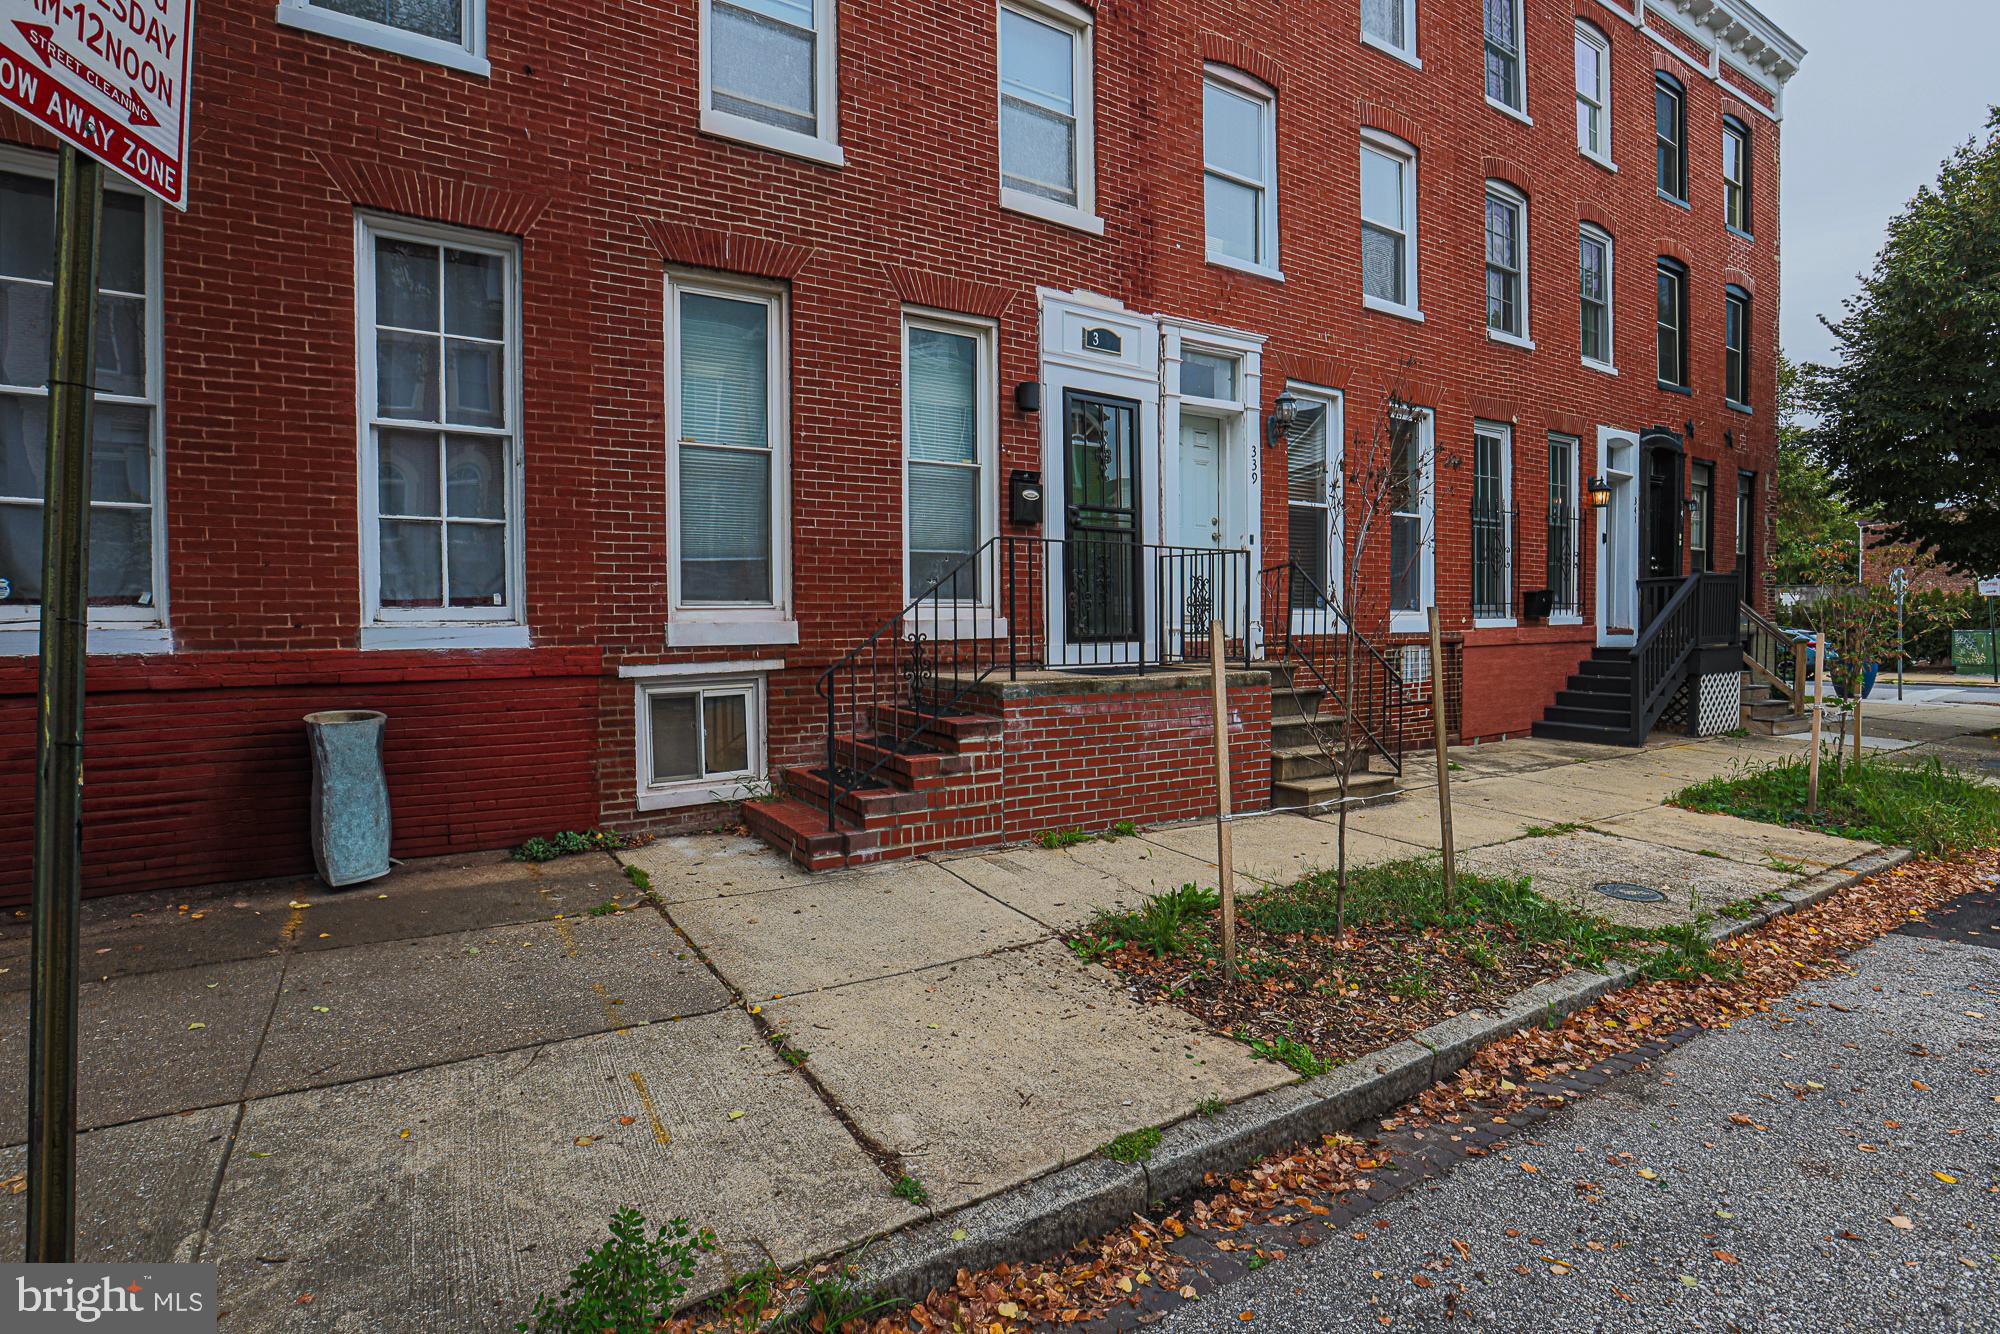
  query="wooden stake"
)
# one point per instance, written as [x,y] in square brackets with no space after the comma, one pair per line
[1818,698]
[1443,759]
[1856,702]
[1225,850]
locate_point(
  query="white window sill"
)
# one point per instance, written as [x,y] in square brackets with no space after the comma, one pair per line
[1048,210]
[660,671]
[960,625]
[1493,623]
[707,633]
[362,32]
[444,637]
[1376,303]
[779,140]
[25,640]
[697,794]
[1506,110]
[1565,620]
[1603,162]
[1512,340]
[1406,57]
[1408,622]
[1223,261]
[1601,367]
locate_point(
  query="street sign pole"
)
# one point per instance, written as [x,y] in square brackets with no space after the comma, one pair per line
[1992,642]
[58,886]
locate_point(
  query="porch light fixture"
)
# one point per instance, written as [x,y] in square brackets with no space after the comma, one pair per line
[1600,493]
[1284,416]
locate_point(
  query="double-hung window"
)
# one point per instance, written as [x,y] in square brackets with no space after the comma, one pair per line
[1412,546]
[445,32]
[1388,223]
[126,580]
[726,374]
[1593,92]
[1672,325]
[1492,522]
[441,455]
[1564,526]
[1736,174]
[949,424]
[1312,494]
[1701,517]
[1594,289]
[1392,26]
[1240,170]
[1670,137]
[1506,262]
[769,75]
[1047,136]
[700,739]
[1504,85]
[1736,346]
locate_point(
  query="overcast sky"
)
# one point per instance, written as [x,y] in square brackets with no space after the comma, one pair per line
[1888,89]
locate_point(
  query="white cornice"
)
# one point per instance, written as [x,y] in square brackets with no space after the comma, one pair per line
[1736,28]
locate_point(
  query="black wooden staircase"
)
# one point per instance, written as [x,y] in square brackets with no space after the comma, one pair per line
[1690,628]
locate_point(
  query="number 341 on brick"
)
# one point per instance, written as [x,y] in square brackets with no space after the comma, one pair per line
[110,77]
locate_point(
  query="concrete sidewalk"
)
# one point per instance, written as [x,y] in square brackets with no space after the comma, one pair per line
[413,1105]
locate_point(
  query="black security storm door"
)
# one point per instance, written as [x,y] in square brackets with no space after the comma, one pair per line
[1100,558]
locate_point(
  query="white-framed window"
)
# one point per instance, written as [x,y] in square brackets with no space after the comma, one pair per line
[127,579]
[728,454]
[1594,288]
[950,430]
[1048,137]
[770,75]
[1701,516]
[1388,224]
[1593,92]
[1412,536]
[1670,137]
[1212,377]
[1492,522]
[440,377]
[444,32]
[1239,138]
[701,739]
[1392,26]
[1506,262]
[1736,175]
[1565,525]
[1313,490]
[1505,88]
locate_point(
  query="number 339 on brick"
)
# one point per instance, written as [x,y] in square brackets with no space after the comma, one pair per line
[108,76]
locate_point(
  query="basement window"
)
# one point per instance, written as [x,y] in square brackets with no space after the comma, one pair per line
[699,741]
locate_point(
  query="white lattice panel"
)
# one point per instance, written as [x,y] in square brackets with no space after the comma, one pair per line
[1721,707]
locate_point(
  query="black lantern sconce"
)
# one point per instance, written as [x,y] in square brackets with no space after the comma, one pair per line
[1284,416]
[1600,493]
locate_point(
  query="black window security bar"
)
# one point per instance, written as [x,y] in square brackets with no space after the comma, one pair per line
[1492,562]
[1565,563]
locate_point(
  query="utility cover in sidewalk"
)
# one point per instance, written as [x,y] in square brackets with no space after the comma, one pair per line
[1630,893]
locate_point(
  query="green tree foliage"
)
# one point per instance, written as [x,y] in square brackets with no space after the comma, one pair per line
[1816,535]
[1910,418]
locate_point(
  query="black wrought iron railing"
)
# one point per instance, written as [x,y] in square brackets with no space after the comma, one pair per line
[1694,613]
[1100,601]
[1307,630]
[1565,564]
[1492,562]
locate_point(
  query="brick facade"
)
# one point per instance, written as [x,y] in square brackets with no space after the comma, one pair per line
[583,144]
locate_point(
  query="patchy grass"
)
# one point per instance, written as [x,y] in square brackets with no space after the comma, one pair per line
[571,843]
[1210,1108]
[1552,830]
[1930,807]
[909,1188]
[1134,1146]
[641,881]
[1053,839]
[789,1054]
[1287,1052]
[1162,927]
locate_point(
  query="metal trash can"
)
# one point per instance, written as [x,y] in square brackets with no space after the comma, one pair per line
[350,796]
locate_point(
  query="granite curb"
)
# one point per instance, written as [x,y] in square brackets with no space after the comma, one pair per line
[1051,1213]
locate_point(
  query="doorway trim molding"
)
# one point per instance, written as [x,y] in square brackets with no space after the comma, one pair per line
[1619,520]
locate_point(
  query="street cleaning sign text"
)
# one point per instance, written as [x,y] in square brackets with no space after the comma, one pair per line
[110,77]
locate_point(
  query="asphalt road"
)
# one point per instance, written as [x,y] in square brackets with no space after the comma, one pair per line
[1820,1208]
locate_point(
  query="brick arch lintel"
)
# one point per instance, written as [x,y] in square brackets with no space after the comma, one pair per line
[1239,55]
[416,194]
[938,291]
[725,252]
[1387,119]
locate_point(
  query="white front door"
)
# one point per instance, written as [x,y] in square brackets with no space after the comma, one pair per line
[1618,540]
[1201,485]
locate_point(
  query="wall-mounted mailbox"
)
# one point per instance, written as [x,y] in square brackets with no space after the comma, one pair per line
[1024,498]
[1537,603]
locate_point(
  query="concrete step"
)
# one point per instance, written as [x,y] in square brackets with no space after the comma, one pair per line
[1361,787]
[1297,763]
[1792,724]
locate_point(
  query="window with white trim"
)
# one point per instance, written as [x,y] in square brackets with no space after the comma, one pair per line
[1670,137]
[445,32]
[1388,222]
[1492,521]
[1701,516]
[127,579]
[1504,84]
[1736,346]
[440,358]
[949,430]
[1672,322]
[1593,92]
[1240,169]
[1565,526]
[1736,174]
[727,447]
[1391,25]
[699,740]
[1506,261]
[1047,122]
[1412,542]
[769,75]
[1312,492]
[1594,287]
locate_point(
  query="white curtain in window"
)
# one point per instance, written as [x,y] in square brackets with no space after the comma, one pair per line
[944,474]
[763,58]
[1383,20]
[1038,107]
